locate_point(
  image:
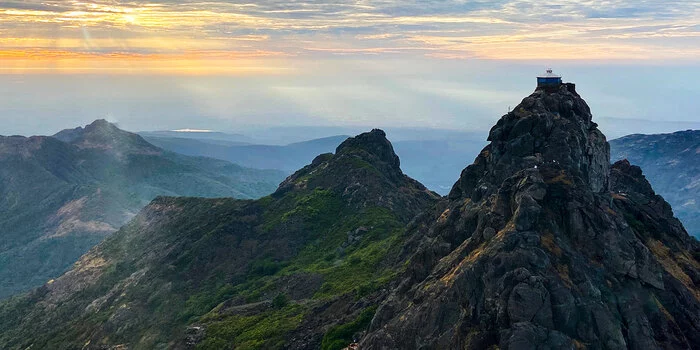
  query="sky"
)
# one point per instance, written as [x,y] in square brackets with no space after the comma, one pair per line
[232,65]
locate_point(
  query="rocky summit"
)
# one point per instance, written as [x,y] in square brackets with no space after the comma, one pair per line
[542,245]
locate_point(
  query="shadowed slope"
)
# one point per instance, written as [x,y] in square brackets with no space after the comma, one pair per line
[671,162]
[540,246]
[58,199]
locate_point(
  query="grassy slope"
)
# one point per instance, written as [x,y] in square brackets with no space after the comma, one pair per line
[356,270]
[198,273]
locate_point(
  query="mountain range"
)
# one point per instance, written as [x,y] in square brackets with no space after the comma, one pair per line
[540,244]
[61,195]
[437,157]
[434,160]
[287,158]
[325,233]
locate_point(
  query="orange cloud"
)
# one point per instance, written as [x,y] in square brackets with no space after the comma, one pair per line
[190,36]
[191,62]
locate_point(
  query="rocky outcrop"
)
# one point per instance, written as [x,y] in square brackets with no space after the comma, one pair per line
[366,172]
[541,245]
[671,162]
[552,129]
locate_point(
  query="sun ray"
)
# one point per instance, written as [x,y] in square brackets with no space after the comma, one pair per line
[97,30]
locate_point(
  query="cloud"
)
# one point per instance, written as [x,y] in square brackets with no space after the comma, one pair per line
[502,29]
[134,63]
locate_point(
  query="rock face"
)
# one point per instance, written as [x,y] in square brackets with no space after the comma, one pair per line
[671,162]
[552,129]
[541,245]
[346,173]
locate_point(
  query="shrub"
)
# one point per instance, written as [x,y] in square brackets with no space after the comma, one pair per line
[340,336]
[280,301]
[266,267]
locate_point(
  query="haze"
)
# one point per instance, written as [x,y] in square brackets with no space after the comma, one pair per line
[233,66]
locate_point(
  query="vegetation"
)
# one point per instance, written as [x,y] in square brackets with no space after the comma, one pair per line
[64,197]
[340,336]
[249,272]
[354,269]
[263,331]
[280,301]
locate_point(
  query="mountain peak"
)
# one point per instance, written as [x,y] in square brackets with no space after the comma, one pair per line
[102,134]
[373,142]
[671,162]
[101,124]
[364,170]
[542,245]
[551,129]
[376,149]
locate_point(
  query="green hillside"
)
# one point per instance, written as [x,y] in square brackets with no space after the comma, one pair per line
[250,271]
[59,196]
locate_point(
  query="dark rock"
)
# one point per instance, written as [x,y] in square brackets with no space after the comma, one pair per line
[193,336]
[525,335]
[572,253]
[376,144]
[671,162]
[552,127]
[529,301]
[361,170]
[489,232]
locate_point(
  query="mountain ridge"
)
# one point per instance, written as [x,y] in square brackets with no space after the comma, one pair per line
[61,198]
[672,164]
[104,135]
[434,160]
[541,243]
[241,255]
[287,158]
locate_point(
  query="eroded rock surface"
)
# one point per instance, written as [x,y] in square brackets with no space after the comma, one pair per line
[541,245]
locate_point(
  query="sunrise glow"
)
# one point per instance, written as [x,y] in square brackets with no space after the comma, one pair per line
[184,37]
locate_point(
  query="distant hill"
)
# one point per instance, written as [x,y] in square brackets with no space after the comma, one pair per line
[286,158]
[434,162]
[671,162]
[61,195]
[212,136]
